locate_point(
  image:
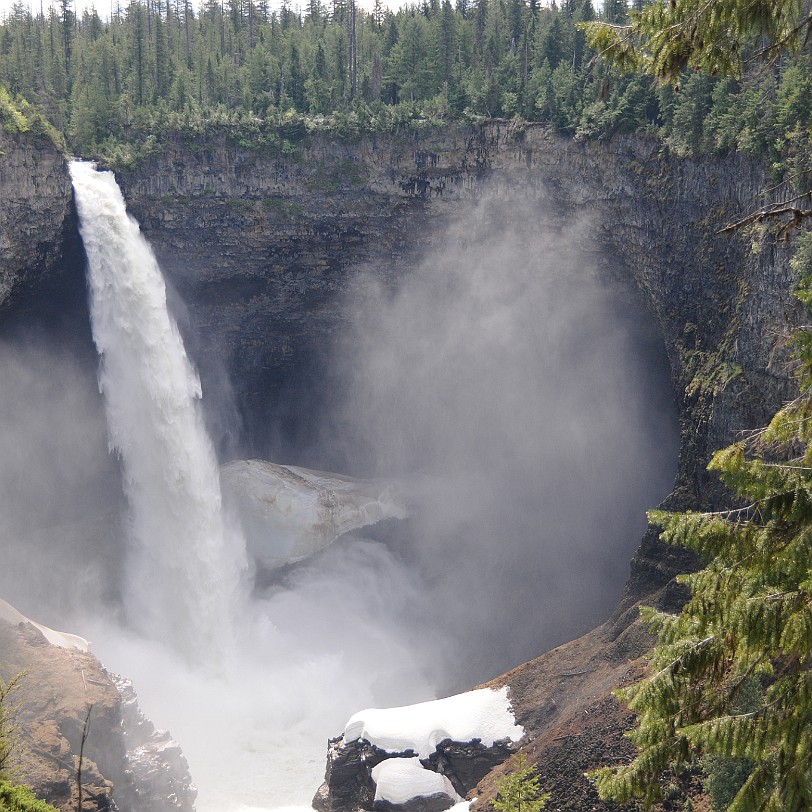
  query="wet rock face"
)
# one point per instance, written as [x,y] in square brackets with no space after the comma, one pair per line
[259,251]
[157,776]
[348,781]
[37,222]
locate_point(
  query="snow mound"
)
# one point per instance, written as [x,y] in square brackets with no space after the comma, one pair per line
[484,714]
[288,513]
[398,780]
[60,639]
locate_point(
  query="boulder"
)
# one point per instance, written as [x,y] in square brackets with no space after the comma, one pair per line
[418,758]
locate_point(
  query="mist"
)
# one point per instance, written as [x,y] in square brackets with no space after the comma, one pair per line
[517,385]
[60,498]
[518,395]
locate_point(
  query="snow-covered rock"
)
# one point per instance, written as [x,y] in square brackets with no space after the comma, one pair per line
[55,638]
[288,513]
[483,715]
[400,780]
[418,758]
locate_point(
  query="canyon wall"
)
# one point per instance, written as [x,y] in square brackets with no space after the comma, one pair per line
[37,221]
[260,248]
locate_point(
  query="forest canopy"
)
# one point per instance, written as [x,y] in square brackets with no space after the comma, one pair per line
[270,75]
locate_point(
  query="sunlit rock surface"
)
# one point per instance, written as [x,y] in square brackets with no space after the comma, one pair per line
[289,513]
[127,764]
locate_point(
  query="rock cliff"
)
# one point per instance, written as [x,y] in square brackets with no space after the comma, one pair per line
[37,221]
[260,249]
[126,763]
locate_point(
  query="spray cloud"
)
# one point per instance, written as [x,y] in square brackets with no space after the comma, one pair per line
[520,392]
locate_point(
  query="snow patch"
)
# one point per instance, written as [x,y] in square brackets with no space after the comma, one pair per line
[55,638]
[484,714]
[289,513]
[398,780]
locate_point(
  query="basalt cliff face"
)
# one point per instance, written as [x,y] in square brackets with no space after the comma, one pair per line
[37,222]
[260,250]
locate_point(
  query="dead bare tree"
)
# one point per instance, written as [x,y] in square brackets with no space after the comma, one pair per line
[85,732]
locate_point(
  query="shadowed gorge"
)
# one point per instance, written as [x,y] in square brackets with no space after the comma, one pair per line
[507,340]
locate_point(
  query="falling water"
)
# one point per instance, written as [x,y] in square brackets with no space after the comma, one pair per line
[184,564]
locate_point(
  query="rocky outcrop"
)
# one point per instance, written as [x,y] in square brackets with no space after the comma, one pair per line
[37,221]
[126,763]
[350,779]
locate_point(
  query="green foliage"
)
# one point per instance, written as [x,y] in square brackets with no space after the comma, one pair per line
[11,116]
[518,790]
[716,36]
[8,725]
[724,778]
[731,678]
[16,798]
[18,116]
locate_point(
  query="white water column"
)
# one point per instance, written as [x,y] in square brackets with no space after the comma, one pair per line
[183,565]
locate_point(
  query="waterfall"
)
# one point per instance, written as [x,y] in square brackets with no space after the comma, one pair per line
[184,564]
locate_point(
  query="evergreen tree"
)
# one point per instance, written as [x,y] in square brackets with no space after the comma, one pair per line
[519,791]
[719,36]
[749,618]
[67,34]
[8,726]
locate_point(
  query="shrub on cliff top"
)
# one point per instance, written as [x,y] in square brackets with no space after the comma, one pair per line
[10,115]
[17,116]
